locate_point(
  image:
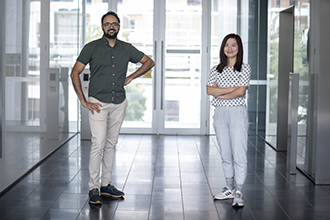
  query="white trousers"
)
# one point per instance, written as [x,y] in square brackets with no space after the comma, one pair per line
[105,127]
[231,127]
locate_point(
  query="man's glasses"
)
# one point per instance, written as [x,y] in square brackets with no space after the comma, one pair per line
[113,24]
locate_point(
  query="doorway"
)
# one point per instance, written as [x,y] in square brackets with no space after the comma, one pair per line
[167,100]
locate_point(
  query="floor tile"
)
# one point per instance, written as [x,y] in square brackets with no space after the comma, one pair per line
[163,177]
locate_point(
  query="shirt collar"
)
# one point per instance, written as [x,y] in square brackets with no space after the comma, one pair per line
[104,39]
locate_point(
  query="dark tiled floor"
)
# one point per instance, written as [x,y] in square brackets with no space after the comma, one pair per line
[22,151]
[165,177]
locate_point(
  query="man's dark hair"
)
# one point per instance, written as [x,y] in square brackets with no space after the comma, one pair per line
[110,13]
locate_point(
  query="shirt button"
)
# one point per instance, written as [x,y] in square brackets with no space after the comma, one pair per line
[113,83]
[113,74]
[113,65]
[113,57]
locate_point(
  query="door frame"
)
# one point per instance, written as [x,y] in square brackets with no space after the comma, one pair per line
[158,80]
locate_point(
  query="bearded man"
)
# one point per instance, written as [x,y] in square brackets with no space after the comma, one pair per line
[108,60]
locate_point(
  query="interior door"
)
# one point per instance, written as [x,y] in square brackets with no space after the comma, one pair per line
[136,27]
[182,73]
[167,100]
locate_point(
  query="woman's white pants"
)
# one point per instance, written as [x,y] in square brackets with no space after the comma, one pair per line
[231,128]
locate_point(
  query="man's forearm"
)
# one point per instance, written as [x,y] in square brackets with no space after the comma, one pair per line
[77,87]
[143,69]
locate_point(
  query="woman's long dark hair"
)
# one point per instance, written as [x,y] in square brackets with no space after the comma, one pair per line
[223,57]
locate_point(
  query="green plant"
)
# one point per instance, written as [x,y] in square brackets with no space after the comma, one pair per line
[136,102]
[93,32]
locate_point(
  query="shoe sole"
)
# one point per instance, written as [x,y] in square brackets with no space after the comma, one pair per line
[96,203]
[229,197]
[113,196]
[237,205]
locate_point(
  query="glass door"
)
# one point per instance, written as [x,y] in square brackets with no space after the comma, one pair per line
[166,100]
[22,68]
[182,89]
[136,27]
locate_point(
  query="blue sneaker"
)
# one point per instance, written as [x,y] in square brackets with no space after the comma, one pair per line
[111,191]
[94,197]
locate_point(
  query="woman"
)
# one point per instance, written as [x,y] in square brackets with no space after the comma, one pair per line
[228,82]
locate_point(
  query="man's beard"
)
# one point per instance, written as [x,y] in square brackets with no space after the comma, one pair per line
[106,34]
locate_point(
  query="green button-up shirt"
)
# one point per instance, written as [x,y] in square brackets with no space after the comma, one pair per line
[108,68]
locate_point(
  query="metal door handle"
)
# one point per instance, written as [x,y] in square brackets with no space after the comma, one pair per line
[154,75]
[162,76]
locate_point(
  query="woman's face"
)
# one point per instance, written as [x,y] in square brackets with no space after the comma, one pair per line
[231,48]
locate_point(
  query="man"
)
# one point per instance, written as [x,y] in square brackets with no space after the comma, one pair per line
[108,59]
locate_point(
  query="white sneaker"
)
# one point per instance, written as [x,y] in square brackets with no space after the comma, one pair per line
[238,200]
[226,193]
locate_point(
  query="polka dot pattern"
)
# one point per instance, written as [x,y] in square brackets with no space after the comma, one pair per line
[230,78]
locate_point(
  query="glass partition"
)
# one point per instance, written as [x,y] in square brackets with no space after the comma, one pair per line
[305,150]
[272,68]
[301,65]
[22,67]
[35,40]
[64,42]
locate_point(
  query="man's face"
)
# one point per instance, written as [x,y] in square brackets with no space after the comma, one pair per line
[110,27]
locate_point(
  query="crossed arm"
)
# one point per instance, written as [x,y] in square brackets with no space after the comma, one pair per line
[225,93]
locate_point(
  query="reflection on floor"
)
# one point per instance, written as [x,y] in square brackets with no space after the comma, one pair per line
[22,151]
[165,177]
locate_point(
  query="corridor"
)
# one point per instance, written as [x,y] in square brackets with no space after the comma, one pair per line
[165,177]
